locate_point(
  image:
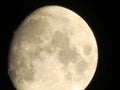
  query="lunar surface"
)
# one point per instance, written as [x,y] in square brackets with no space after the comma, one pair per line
[52,49]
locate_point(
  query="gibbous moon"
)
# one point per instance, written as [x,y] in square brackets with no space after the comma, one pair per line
[52,49]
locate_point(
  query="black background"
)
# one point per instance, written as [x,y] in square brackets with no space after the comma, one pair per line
[102,17]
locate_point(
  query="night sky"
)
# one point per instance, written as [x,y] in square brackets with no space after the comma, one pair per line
[101,16]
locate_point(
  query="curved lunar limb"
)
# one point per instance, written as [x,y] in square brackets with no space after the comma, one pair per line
[52,49]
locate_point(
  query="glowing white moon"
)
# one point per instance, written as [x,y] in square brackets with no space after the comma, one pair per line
[53,49]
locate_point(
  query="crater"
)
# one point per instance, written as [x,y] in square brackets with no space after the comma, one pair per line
[29,73]
[60,39]
[87,49]
[81,66]
[67,55]
[68,75]
[12,74]
[26,71]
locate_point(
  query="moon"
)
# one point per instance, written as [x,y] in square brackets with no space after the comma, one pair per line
[52,49]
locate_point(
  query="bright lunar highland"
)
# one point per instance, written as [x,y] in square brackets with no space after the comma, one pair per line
[52,49]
